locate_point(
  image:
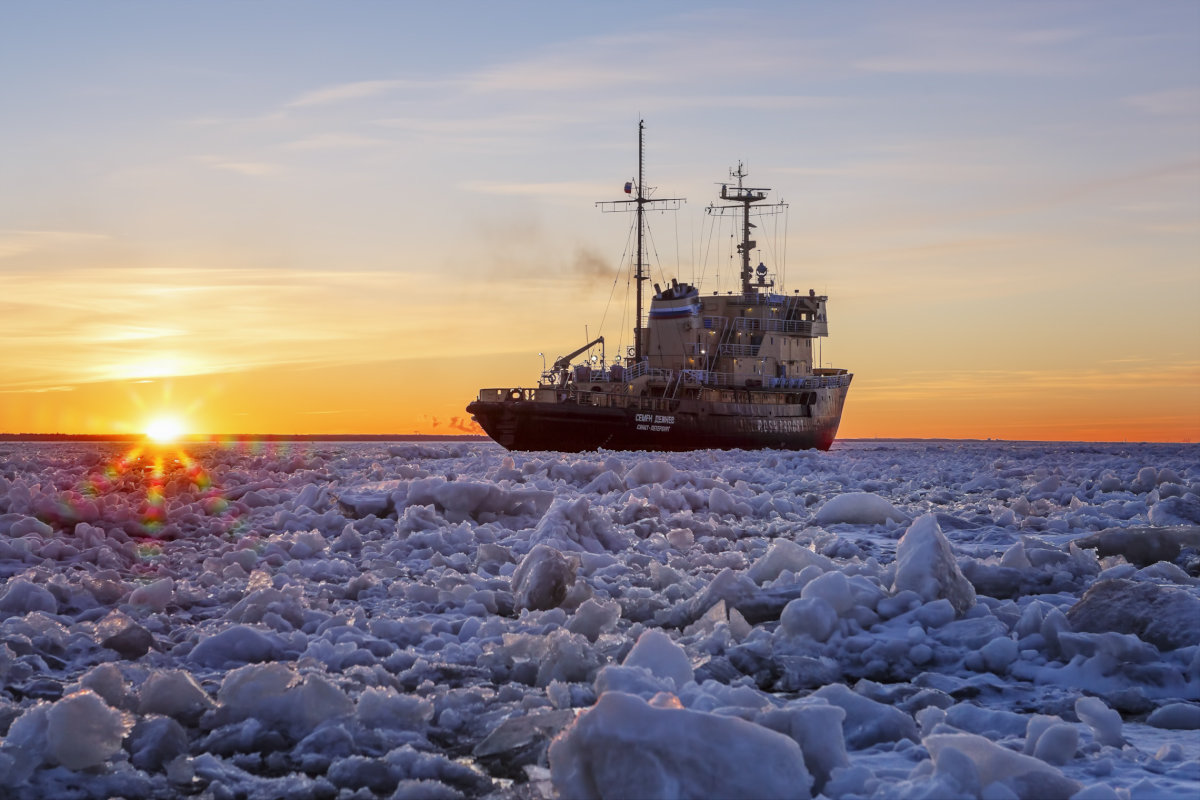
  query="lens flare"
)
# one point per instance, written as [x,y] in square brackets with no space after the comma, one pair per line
[164,430]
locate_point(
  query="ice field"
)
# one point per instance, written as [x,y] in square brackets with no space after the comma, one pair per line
[439,620]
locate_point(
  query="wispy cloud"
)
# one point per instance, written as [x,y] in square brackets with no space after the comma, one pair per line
[357,90]
[995,383]
[335,141]
[983,40]
[253,169]
[124,324]
[1049,36]
[1168,101]
[21,242]
[546,189]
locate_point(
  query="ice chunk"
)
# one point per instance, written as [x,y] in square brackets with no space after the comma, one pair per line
[645,472]
[734,588]
[656,652]
[721,502]
[251,691]
[833,588]
[572,524]
[1167,617]
[367,775]
[992,722]
[1057,744]
[625,747]
[306,544]
[1142,545]
[1037,725]
[785,554]
[516,733]
[22,596]
[925,564]
[999,654]
[154,741]
[1147,479]
[378,498]
[1061,739]
[1104,722]
[594,617]
[1015,557]
[120,633]
[107,681]
[154,596]
[386,708]
[631,680]
[83,731]
[816,727]
[809,616]
[1176,717]
[174,693]
[568,658]
[236,645]
[868,722]
[955,767]
[859,508]
[1097,791]
[274,695]
[1176,511]
[1027,777]
[542,579]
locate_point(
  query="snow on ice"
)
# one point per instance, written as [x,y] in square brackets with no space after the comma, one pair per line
[903,620]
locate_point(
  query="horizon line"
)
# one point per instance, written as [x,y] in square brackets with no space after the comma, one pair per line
[201,438]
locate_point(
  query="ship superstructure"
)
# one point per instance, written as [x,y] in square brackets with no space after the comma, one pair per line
[733,370]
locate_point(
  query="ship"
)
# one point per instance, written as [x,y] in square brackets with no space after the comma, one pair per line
[705,371]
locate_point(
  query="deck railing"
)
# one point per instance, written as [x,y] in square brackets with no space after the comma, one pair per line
[738,350]
[804,327]
[827,378]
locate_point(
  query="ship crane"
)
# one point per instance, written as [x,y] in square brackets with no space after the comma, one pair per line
[565,361]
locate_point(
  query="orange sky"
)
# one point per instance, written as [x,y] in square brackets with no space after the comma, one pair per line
[357,230]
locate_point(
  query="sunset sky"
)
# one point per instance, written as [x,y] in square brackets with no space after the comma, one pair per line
[301,217]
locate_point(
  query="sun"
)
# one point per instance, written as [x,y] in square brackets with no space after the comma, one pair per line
[164,430]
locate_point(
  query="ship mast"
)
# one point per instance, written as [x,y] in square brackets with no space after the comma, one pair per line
[640,275]
[744,196]
[640,200]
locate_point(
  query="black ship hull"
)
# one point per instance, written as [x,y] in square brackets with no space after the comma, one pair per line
[520,423]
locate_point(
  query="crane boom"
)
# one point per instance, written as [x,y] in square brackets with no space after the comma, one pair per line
[565,361]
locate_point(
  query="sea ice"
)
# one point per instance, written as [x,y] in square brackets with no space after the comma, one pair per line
[425,619]
[858,508]
[925,564]
[1167,617]
[655,652]
[1176,716]
[83,731]
[542,578]
[1104,722]
[625,747]
[1027,778]
[867,722]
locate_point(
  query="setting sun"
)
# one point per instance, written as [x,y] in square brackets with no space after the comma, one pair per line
[164,429]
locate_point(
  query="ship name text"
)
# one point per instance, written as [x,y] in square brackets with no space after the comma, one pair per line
[660,423]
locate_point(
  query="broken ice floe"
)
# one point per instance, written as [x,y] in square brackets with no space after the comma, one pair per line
[904,620]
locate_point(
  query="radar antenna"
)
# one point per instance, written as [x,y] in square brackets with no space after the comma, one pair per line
[745,196]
